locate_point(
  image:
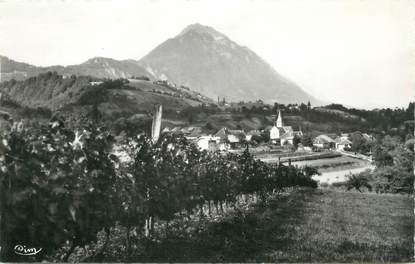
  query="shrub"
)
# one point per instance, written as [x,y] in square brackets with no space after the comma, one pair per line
[358,181]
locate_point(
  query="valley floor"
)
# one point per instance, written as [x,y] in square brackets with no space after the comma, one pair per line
[327,226]
[322,225]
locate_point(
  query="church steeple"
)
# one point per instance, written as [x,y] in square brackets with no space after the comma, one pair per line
[279,120]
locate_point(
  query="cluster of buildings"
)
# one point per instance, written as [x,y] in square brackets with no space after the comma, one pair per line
[225,138]
[341,143]
[279,135]
[325,142]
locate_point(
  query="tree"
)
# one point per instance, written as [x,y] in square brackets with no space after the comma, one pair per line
[307,140]
[303,107]
[409,144]
[209,126]
[358,181]
[394,168]
[381,157]
[359,143]
[95,113]
[296,141]
[392,179]
[389,143]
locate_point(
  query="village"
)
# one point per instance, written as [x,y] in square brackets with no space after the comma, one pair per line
[278,139]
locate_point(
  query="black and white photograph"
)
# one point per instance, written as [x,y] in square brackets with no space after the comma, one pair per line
[207,131]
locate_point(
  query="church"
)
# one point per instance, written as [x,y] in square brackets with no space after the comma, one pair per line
[280,134]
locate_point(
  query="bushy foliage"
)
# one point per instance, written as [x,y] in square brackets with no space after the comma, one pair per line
[54,188]
[394,168]
[358,181]
[143,77]
[307,140]
[359,143]
[60,188]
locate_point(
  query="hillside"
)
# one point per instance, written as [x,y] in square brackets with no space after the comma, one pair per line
[211,63]
[128,103]
[120,103]
[330,119]
[96,67]
[48,90]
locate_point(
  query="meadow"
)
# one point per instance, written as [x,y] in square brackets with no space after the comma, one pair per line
[272,157]
[306,225]
[338,175]
[333,164]
[328,225]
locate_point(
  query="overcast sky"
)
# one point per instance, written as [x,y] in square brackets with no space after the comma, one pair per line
[359,53]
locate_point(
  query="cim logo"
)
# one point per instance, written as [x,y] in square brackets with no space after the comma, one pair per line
[25,251]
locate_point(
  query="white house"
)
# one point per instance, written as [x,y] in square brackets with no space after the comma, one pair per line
[342,143]
[287,138]
[233,139]
[204,142]
[95,83]
[323,141]
[252,133]
[211,143]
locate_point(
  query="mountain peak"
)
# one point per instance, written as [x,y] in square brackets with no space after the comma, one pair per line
[97,60]
[212,64]
[201,29]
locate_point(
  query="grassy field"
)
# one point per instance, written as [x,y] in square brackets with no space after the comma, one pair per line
[303,226]
[335,174]
[333,164]
[273,157]
[340,226]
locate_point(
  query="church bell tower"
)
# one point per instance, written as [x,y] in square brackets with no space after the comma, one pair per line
[279,119]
